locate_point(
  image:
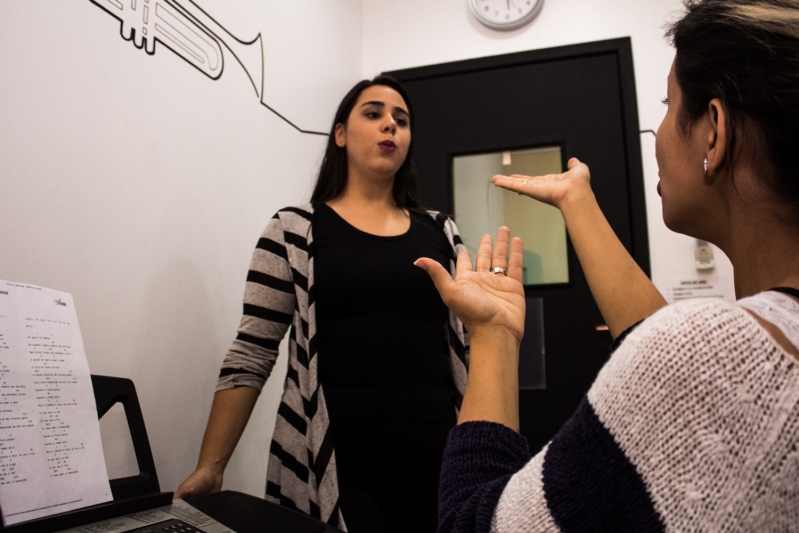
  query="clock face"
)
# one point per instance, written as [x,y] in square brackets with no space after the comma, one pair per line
[505,14]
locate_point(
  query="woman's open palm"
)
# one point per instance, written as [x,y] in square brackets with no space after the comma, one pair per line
[484,301]
[552,189]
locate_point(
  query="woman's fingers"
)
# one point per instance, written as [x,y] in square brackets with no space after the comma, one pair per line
[489,256]
[537,187]
[516,261]
[551,188]
[500,257]
[462,263]
[512,183]
[441,277]
[486,259]
[483,263]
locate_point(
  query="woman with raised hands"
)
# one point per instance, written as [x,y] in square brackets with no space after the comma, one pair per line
[693,424]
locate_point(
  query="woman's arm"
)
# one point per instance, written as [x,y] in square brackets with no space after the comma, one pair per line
[484,450]
[229,415]
[624,294]
[485,459]
[491,307]
[269,302]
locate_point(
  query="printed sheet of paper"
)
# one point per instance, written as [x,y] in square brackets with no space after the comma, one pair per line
[675,290]
[51,456]
[178,509]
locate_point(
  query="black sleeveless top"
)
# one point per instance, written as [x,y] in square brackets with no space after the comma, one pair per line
[383,356]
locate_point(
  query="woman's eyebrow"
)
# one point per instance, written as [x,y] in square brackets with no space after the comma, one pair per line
[381,104]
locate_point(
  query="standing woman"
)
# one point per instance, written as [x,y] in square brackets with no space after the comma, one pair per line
[377,364]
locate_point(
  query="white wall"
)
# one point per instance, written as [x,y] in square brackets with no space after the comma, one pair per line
[413,33]
[140,186]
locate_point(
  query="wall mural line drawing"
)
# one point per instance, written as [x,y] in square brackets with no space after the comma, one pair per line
[190,32]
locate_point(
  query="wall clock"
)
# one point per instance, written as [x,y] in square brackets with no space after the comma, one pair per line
[505,14]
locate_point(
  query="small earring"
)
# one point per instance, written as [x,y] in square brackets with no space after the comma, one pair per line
[705,166]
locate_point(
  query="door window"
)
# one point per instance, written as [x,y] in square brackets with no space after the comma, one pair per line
[482,208]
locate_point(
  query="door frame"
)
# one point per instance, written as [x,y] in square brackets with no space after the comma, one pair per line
[622,49]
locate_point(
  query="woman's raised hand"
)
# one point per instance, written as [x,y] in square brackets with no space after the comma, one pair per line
[485,302]
[622,290]
[491,307]
[553,189]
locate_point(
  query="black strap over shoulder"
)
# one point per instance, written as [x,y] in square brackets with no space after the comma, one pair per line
[790,291]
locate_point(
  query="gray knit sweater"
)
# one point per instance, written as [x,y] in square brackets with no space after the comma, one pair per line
[693,425]
[280,295]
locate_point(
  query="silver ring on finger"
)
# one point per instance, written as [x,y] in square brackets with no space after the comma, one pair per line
[497,270]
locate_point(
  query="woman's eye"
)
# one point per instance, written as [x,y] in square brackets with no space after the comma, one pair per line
[665,101]
[402,121]
[372,114]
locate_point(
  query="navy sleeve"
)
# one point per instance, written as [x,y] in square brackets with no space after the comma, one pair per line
[479,460]
[617,342]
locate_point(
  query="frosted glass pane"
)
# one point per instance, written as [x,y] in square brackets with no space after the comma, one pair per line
[482,208]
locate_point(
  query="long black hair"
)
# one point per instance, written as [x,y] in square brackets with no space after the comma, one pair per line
[746,54]
[333,172]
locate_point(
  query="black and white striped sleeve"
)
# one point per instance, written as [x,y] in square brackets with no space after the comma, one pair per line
[269,302]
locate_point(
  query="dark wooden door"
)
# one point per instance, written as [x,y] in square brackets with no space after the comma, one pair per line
[581,98]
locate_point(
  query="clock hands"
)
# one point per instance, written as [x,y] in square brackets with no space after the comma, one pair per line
[514,15]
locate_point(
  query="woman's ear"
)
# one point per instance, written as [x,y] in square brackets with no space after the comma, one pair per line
[340,135]
[717,137]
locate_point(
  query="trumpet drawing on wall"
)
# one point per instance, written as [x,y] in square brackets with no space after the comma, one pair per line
[191,33]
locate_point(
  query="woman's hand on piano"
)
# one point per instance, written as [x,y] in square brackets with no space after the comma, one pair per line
[203,481]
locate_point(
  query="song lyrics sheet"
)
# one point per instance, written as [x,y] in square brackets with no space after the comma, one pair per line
[51,456]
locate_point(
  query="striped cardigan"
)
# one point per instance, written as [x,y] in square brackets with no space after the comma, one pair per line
[280,294]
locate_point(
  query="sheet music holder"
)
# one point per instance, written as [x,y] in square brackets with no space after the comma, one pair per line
[131,494]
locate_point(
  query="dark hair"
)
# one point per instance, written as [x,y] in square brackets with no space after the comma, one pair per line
[746,54]
[333,172]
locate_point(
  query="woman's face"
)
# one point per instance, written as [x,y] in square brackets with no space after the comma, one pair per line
[377,134]
[680,160]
